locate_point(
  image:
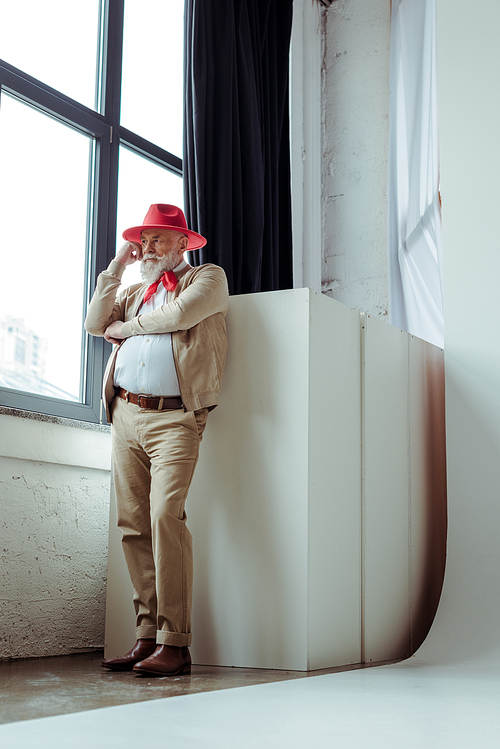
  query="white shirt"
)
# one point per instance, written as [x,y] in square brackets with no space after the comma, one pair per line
[145,363]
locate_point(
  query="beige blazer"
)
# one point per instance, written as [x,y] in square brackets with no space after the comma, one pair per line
[194,315]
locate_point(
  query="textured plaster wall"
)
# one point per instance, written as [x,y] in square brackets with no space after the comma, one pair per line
[53,538]
[355,148]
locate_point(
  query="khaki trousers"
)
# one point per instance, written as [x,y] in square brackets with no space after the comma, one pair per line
[154,455]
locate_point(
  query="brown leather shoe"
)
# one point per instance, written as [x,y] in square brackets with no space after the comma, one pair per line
[142,649]
[167,660]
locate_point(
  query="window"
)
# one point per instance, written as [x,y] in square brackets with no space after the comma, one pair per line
[20,352]
[74,173]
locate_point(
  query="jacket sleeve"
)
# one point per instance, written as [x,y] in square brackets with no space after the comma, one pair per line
[105,308]
[206,295]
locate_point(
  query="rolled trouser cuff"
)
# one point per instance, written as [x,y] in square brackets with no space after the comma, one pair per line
[176,639]
[146,632]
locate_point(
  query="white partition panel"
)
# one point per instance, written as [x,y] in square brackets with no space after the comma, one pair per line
[334,540]
[385,492]
[312,506]
[404,489]
[248,502]
[274,507]
[428,515]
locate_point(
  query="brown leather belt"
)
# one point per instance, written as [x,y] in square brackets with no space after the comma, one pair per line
[154,403]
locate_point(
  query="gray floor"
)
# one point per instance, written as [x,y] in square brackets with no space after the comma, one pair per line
[42,687]
[406,706]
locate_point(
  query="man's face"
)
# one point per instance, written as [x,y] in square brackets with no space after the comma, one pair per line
[162,250]
[157,243]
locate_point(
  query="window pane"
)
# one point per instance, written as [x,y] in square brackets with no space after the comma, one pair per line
[152,97]
[43,221]
[54,41]
[140,184]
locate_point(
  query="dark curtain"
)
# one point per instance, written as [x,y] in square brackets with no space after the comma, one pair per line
[236,139]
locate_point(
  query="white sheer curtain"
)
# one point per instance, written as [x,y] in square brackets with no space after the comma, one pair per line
[415,288]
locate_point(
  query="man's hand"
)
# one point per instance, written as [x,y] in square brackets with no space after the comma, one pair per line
[113,332]
[129,253]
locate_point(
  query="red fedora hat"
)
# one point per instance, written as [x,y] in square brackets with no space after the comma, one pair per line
[162,216]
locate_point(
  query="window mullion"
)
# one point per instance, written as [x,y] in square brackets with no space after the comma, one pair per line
[151,151]
[110,103]
[50,102]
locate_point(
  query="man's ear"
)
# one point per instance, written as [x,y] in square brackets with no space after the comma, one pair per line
[184,243]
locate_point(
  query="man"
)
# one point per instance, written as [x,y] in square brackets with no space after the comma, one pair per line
[161,381]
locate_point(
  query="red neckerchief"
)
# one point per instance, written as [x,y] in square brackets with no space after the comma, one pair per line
[169,280]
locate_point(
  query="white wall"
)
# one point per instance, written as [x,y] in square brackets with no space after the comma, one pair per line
[468,622]
[54,504]
[355,149]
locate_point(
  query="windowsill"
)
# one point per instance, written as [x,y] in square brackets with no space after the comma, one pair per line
[41,439]
[7,411]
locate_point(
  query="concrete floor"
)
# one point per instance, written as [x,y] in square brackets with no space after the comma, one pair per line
[42,687]
[403,706]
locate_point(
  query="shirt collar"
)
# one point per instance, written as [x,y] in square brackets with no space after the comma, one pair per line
[182,266]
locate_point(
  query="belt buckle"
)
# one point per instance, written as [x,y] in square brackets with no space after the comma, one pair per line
[139,401]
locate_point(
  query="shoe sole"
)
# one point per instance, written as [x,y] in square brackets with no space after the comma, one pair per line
[184,670]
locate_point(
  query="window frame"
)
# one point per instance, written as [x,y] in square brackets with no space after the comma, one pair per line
[103,125]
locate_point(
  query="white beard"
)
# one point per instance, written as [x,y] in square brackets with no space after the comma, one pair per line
[153,269]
